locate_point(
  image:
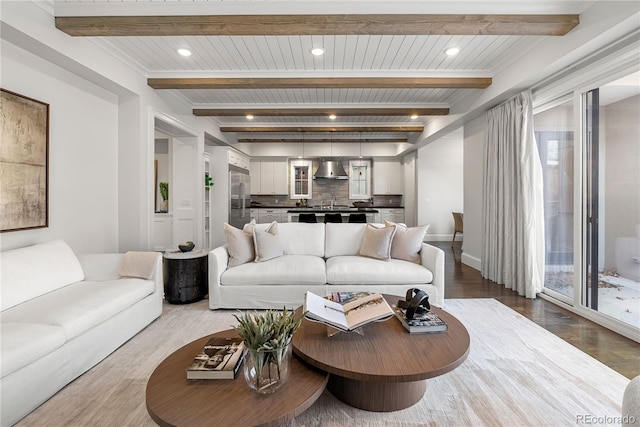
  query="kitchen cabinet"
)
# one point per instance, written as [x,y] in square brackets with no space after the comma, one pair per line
[359,179]
[388,178]
[253,214]
[301,179]
[269,215]
[269,177]
[390,214]
[238,159]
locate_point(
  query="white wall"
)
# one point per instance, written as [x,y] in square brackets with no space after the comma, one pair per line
[474,141]
[409,198]
[440,186]
[83,163]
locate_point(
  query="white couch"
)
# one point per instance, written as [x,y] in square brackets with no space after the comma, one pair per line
[61,315]
[320,258]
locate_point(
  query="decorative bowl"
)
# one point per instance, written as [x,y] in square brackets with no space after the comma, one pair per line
[186,247]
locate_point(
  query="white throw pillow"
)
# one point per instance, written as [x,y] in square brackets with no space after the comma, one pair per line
[407,242]
[267,243]
[377,242]
[239,245]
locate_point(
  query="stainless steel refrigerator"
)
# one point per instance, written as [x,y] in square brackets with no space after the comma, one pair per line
[239,197]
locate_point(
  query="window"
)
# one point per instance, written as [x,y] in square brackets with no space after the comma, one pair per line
[359,179]
[301,183]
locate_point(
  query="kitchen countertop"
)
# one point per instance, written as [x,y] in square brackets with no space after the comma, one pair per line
[335,210]
[297,207]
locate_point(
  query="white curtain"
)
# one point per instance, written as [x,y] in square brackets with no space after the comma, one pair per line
[513,232]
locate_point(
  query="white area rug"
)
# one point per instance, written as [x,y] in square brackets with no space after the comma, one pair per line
[516,374]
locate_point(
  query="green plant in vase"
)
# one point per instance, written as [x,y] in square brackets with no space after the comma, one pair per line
[267,338]
[164,190]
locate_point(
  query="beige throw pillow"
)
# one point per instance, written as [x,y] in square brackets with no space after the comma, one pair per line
[407,242]
[377,242]
[267,243]
[239,245]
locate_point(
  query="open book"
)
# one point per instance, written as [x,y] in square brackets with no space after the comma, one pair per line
[350,315]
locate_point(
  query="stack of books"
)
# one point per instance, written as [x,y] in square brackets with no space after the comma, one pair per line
[219,359]
[422,322]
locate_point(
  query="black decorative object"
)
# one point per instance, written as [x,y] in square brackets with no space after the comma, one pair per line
[416,301]
[186,247]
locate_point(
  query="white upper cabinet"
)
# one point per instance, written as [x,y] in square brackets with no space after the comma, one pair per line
[269,177]
[388,178]
[238,159]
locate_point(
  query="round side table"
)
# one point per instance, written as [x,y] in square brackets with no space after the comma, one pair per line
[185,276]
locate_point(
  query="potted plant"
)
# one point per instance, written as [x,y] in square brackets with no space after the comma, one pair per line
[164,193]
[267,339]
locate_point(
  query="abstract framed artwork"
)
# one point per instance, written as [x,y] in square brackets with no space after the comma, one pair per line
[24,162]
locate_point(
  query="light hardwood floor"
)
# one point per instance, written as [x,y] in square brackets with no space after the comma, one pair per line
[610,348]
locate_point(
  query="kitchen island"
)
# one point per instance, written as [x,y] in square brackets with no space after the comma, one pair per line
[293,214]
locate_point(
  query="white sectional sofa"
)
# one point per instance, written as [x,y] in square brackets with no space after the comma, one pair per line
[61,315]
[320,258]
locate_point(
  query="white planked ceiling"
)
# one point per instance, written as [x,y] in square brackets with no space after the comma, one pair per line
[345,55]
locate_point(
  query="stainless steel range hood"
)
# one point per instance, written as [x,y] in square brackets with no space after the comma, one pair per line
[330,169]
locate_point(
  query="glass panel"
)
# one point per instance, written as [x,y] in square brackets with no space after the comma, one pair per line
[554,135]
[612,199]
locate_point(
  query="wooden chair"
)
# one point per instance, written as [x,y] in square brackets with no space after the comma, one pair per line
[307,217]
[458,225]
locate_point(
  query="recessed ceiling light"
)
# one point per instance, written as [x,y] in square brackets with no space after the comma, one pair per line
[452,51]
[332,116]
[249,116]
[414,116]
[317,51]
[184,52]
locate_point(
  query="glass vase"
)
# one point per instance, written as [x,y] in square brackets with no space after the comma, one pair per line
[267,370]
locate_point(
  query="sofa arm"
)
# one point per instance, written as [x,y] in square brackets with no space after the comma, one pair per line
[433,259]
[218,261]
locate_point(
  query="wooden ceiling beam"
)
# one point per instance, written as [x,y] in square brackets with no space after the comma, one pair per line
[322,82]
[300,140]
[239,129]
[299,112]
[286,25]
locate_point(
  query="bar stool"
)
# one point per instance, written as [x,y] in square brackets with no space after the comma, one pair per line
[332,217]
[358,217]
[307,217]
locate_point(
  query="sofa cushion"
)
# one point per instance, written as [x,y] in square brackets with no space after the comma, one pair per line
[284,270]
[343,239]
[35,270]
[80,306]
[349,270]
[407,242]
[23,343]
[267,243]
[377,242]
[299,238]
[239,245]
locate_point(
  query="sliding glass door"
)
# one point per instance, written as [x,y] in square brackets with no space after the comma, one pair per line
[592,200]
[555,136]
[611,200]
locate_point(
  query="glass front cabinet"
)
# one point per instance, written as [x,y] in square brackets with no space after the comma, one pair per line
[359,179]
[301,176]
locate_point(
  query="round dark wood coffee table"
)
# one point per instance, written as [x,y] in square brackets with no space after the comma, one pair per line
[172,400]
[386,368]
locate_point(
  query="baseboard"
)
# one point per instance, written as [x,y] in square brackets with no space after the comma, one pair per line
[471,261]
